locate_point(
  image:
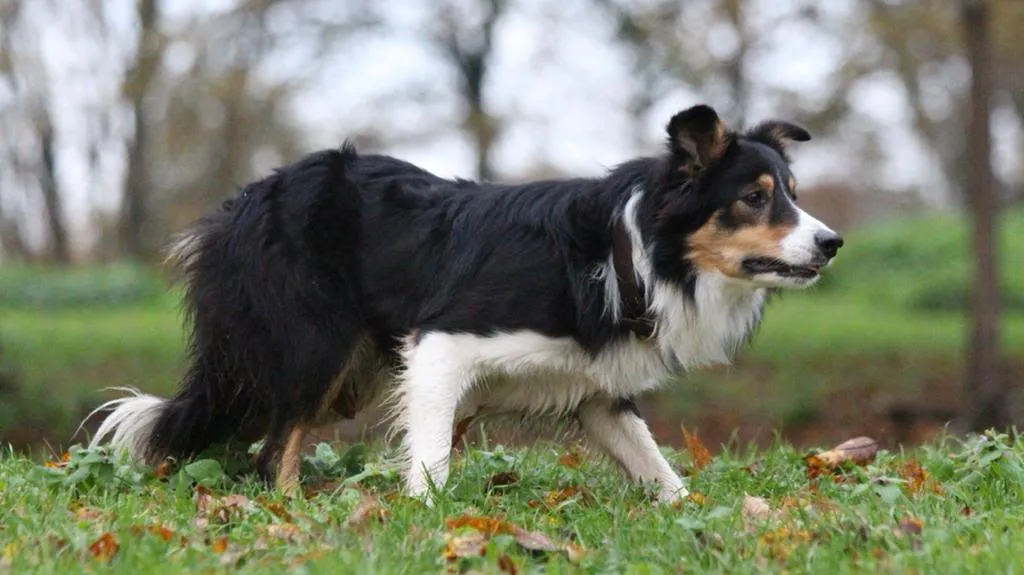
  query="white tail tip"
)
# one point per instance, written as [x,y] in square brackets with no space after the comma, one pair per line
[130,423]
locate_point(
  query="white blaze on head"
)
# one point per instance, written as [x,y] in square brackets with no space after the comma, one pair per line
[800,247]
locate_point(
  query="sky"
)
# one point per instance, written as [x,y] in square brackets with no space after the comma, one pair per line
[558,82]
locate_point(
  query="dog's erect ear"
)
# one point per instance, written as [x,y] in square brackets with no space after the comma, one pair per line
[777,132]
[699,136]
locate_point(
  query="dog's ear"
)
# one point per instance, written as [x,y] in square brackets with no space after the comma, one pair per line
[698,136]
[777,132]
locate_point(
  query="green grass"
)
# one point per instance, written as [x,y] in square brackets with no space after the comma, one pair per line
[965,514]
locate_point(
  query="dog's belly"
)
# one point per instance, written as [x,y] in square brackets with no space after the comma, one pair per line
[549,393]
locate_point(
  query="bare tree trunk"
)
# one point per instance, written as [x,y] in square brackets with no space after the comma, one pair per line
[472,59]
[134,213]
[59,252]
[985,389]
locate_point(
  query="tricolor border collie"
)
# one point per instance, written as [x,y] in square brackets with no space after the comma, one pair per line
[344,277]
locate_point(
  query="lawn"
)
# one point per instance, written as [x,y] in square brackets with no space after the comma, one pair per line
[949,506]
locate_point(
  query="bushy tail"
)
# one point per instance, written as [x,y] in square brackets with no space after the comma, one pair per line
[130,424]
[260,287]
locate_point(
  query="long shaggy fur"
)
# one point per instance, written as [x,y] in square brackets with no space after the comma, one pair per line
[344,276]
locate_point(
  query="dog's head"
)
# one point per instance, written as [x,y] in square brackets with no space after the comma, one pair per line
[726,203]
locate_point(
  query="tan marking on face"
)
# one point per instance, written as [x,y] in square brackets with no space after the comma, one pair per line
[792,185]
[714,248]
[766,182]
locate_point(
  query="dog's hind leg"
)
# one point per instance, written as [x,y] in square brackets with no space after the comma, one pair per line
[291,459]
[437,374]
[615,426]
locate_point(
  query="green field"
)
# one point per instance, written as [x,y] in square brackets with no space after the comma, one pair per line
[947,507]
[887,324]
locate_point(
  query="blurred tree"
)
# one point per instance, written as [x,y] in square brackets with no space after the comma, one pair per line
[987,394]
[465,38]
[29,136]
[134,216]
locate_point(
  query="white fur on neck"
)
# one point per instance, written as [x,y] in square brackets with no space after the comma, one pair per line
[706,329]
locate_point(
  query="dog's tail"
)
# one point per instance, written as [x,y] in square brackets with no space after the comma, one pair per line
[249,270]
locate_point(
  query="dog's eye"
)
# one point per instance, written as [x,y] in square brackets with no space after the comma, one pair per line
[756,199]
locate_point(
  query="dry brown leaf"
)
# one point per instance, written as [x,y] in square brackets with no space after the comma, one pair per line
[912,528]
[286,532]
[472,544]
[697,498]
[756,509]
[858,451]
[917,479]
[157,530]
[571,459]
[88,514]
[163,470]
[488,525]
[219,545]
[104,548]
[368,509]
[211,509]
[61,461]
[279,511]
[503,479]
[574,552]
[699,454]
[534,541]
[506,565]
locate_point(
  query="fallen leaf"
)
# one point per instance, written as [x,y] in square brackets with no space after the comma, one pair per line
[571,459]
[697,498]
[534,541]
[104,548]
[469,545]
[88,514]
[506,565]
[219,545]
[917,479]
[966,511]
[574,552]
[487,525]
[699,454]
[503,479]
[163,470]
[858,451]
[279,511]
[157,530]
[58,463]
[912,528]
[554,498]
[286,532]
[756,509]
[368,509]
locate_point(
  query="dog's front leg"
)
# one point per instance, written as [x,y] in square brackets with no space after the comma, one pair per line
[615,426]
[437,375]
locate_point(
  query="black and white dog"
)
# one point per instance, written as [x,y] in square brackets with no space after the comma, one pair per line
[343,276]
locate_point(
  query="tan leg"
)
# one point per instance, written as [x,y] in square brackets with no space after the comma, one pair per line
[288,473]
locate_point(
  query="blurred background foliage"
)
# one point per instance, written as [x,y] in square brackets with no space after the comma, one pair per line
[123,120]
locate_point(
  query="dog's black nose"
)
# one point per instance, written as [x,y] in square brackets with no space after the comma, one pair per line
[829,243]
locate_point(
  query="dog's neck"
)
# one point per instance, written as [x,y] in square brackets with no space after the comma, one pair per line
[635,315]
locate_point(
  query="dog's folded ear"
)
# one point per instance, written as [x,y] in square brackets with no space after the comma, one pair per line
[699,136]
[776,132]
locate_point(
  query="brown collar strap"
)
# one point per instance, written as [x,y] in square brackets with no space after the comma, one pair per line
[635,316]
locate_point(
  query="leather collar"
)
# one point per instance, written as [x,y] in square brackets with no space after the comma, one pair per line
[635,316]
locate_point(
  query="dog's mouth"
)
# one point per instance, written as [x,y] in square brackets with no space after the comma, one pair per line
[757,266]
